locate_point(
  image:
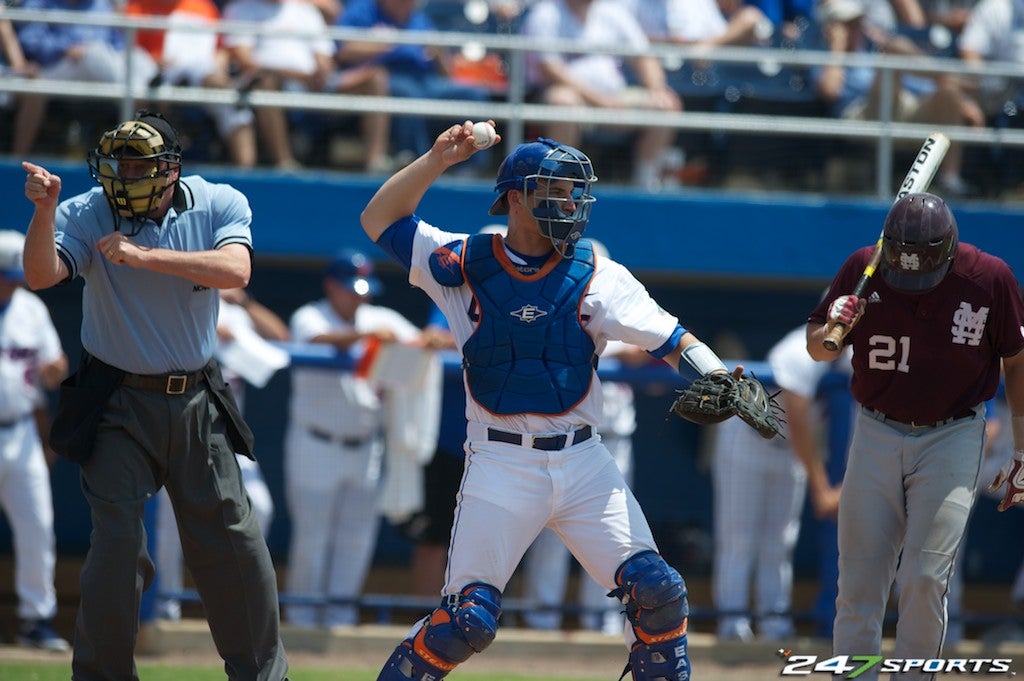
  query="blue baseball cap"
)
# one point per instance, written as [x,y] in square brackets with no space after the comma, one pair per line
[11,245]
[354,270]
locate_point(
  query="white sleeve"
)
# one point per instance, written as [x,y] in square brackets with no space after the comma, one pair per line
[793,367]
[622,309]
[987,19]
[427,240]
[307,322]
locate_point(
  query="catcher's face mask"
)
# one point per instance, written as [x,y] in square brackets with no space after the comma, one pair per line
[134,164]
[558,180]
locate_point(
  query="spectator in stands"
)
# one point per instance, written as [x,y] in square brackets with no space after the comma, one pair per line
[600,80]
[74,52]
[277,61]
[953,14]
[791,18]
[186,57]
[239,314]
[853,92]
[890,15]
[13,63]
[702,22]
[334,446]
[995,32]
[414,71]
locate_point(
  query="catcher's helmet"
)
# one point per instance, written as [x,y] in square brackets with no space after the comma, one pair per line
[12,244]
[918,243]
[148,137]
[546,160]
[354,271]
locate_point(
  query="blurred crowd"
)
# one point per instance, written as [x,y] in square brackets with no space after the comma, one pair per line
[296,54]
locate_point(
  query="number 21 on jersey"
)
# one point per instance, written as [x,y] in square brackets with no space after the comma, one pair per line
[889,354]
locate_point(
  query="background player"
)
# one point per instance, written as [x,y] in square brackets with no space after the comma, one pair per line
[31,360]
[928,338]
[334,446]
[529,338]
[759,496]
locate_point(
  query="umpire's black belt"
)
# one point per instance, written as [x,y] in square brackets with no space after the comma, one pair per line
[549,443]
[169,384]
[346,442]
[884,418]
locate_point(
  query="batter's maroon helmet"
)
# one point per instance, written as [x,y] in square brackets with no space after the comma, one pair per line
[918,243]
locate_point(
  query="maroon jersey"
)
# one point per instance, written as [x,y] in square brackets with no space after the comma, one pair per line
[925,357]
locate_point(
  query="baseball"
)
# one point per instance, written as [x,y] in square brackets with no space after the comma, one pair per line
[483,135]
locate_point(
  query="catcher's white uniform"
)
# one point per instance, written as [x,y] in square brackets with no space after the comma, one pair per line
[510,492]
[547,563]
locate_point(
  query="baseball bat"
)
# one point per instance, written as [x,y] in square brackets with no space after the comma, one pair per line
[922,171]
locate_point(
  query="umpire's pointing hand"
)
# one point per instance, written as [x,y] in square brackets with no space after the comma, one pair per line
[41,187]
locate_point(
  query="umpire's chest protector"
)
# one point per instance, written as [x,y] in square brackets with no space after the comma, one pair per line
[529,352]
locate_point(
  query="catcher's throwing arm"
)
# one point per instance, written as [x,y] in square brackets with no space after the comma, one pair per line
[920,175]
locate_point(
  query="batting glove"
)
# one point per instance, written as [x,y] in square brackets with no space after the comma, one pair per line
[846,310]
[1013,475]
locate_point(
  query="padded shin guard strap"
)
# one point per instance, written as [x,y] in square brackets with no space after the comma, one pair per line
[405,665]
[666,661]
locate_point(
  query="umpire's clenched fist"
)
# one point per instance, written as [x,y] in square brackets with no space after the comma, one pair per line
[41,187]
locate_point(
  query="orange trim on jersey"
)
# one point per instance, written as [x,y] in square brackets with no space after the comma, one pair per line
[678,632]
[497,245]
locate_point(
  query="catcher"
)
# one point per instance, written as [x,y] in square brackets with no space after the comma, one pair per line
[714,397]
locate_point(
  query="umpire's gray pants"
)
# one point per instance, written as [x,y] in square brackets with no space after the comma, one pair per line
[147,440]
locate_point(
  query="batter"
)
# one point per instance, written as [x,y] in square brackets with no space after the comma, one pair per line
[928,338]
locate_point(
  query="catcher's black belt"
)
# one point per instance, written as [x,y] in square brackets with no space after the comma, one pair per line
[346,442]
[549,443]
[969,414]
[169,384]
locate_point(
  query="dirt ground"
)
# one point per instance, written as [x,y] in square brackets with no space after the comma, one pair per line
[541,667]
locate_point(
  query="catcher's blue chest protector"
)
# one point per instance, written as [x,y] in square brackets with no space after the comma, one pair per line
[529,352]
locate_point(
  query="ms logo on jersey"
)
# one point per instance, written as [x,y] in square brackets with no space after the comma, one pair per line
[968,325]
[529,313]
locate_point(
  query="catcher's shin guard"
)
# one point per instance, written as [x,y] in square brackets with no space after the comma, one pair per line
[655,598]
[465,623]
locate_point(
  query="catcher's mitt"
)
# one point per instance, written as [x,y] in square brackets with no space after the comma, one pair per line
[715,397]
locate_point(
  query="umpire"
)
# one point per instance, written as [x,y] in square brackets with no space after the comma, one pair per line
[148,407]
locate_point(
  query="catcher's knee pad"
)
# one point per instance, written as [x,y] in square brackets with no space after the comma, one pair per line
[466,623]
[654,595]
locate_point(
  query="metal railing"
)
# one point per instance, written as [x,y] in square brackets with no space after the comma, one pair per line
[515,111]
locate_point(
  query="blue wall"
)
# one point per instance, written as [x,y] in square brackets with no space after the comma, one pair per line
[745,267]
